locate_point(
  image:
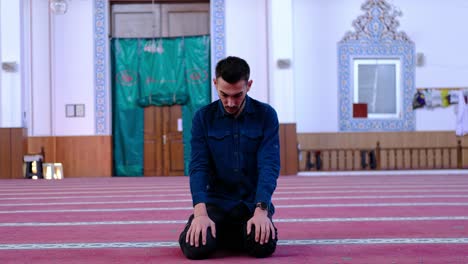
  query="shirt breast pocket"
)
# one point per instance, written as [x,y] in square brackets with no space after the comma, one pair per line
[220,143]
[250,140]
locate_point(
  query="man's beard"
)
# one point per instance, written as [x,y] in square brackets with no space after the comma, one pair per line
[232,110]
[235,111]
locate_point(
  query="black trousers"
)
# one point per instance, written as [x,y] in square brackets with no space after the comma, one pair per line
[231,234]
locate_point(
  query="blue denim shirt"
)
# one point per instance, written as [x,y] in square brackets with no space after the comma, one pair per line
[235,160]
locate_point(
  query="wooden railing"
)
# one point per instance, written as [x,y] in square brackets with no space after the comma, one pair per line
[392,158]
[382,158]
[337,159]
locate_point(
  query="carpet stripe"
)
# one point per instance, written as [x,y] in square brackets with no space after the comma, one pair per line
[280,220]
[97,196]
[274,199]
[371,241]
[185,186]
[277,206]
[103,202]
[334,212]
[373,191]
[34,196]
[370,205]
[185,189]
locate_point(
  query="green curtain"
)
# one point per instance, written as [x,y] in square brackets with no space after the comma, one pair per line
[160,72]
[198,82]
[127,115]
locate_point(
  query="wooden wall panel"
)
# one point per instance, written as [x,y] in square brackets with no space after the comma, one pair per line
[288,149]
[5,153]
[12,149]
[387,139]
[48,143]
[18,150]
[356,140]
[81,156]
[282,149]
[291,149]
[89,156]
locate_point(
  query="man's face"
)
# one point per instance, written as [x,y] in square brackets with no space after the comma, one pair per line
[232,95]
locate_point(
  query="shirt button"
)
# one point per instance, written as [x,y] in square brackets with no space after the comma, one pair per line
[236,170]
[235,135]
[236,153]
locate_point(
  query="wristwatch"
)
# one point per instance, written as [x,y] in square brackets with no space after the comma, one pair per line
[262,205]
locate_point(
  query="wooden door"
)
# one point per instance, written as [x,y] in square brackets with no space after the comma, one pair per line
[173,146]
[153,142]
[163,143]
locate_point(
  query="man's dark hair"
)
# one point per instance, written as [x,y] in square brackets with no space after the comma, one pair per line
[233,69]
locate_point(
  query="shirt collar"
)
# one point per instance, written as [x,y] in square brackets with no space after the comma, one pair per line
[248,105]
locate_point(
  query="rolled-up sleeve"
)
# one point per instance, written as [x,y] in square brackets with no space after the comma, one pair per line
[268,157]
[199,162]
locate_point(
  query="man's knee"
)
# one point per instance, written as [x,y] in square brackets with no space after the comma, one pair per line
[200,252]
[258,250]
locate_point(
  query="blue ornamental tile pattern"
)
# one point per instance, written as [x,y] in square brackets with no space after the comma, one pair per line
[101,88]
[218,40]
[218,29]
[375,36]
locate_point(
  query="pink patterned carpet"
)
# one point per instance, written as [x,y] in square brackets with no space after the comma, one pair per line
[329,219]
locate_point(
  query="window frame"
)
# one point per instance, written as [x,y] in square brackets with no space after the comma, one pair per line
[379,61]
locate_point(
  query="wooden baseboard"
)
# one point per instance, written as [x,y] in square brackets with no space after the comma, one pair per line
[81,156]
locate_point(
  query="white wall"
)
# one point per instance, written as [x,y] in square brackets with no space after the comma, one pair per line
[319,25]
[440,33]
[246,37]
[73,68]
[39,110]
[280,48]
[10,82]
[62,69]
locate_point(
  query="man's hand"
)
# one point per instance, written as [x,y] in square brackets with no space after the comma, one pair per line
[263,226]
[199,225]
